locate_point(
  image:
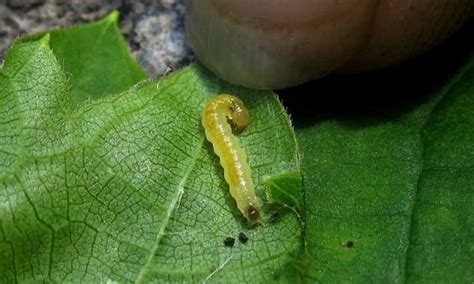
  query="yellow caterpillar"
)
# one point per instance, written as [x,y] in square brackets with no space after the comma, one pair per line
[216,116]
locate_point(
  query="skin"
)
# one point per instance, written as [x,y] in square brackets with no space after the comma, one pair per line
[272,44]
[216,116]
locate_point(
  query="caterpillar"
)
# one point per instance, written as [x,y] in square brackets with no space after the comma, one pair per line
[218,114]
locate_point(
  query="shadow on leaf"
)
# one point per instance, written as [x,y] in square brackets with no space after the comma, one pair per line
[362,100]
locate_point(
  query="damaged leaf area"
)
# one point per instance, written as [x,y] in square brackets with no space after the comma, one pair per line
[125,187]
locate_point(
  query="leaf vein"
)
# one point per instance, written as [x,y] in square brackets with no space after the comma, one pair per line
[172,207]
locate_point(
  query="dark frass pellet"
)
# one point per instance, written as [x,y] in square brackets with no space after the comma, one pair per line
[243,237]
[229,242]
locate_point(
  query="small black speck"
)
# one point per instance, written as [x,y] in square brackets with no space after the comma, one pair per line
[275,215]
[243,237]
[229,242]
[350,244]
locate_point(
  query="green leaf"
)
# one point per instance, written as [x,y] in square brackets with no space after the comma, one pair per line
[125,187]
[95,58]
[285,189]
[390,198]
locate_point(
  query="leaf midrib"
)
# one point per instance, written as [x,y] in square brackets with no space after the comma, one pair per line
[174,204]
